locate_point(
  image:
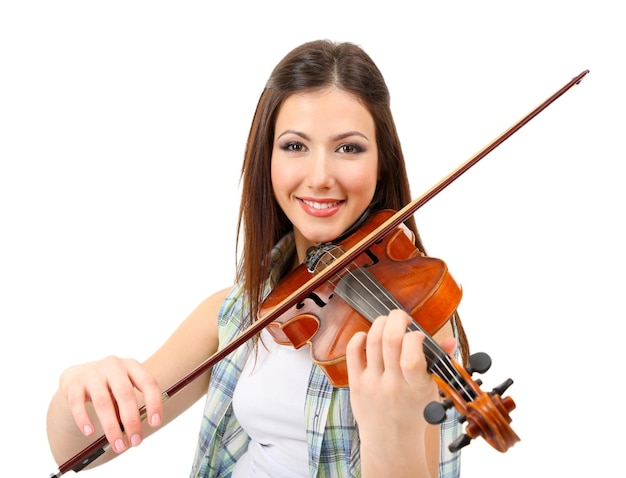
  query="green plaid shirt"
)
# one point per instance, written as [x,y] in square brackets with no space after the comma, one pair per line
[332,435]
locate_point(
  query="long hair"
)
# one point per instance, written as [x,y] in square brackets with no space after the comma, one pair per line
[312,66]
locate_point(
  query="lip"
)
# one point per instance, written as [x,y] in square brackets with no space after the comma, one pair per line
[320,207]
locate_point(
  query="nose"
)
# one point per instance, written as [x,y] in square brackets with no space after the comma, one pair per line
[320,171]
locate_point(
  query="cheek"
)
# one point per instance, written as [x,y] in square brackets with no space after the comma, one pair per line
[363,182]
[282,180]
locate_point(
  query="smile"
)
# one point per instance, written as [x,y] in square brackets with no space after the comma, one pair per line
[320,205]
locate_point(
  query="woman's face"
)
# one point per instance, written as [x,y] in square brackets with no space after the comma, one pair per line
[324,163]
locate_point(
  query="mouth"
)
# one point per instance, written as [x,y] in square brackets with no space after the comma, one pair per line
[320,205]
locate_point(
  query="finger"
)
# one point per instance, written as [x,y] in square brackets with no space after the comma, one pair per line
[77,402]
[374,345]
[106,410]
[449,345]
[355,357]
[412,359]
[393,338]
[145,382]
[123,387]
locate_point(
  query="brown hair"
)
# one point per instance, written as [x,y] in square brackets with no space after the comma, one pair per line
[315,65]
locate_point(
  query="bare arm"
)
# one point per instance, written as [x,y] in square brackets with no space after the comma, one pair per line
[93,398]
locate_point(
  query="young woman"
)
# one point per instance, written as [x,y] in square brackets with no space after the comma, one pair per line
[322,151]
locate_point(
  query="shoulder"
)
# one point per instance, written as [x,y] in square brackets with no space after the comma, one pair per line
[210,307]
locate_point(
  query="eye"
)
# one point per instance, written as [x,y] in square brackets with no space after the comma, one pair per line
[293,146]
[350,148]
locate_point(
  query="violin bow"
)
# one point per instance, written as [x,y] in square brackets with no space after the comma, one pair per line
[92,452]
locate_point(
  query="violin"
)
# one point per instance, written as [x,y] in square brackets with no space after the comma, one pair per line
[391,274]
[373,271]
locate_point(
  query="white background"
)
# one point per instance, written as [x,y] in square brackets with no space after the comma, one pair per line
[122,127]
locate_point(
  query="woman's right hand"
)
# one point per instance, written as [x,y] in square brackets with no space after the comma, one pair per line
[105,396]
[111,386]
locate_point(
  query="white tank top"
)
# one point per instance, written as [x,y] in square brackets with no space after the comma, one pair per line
[269,404]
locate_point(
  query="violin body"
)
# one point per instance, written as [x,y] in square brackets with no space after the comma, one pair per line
[422,285]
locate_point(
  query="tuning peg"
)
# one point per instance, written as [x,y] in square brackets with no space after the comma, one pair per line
[435,412]
[479,362]
[460,442]
[500,389]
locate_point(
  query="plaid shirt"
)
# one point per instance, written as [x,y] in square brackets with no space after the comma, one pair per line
[332,435]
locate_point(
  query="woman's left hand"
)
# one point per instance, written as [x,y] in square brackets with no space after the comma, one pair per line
[389,389]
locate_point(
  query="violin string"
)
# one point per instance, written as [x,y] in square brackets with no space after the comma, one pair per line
[440,362]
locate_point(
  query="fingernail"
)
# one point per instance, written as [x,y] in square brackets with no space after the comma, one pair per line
[135,440]
[120,446]
[155,420]
[87,430]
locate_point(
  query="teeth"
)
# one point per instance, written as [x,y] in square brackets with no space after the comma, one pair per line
[318,205]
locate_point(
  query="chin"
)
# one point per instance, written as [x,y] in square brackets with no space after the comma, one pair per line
[320,231]
[322,238]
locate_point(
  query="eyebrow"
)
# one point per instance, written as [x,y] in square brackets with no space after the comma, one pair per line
[334,138]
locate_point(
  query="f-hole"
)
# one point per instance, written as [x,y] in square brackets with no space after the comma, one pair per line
[373,257]
[315,298]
